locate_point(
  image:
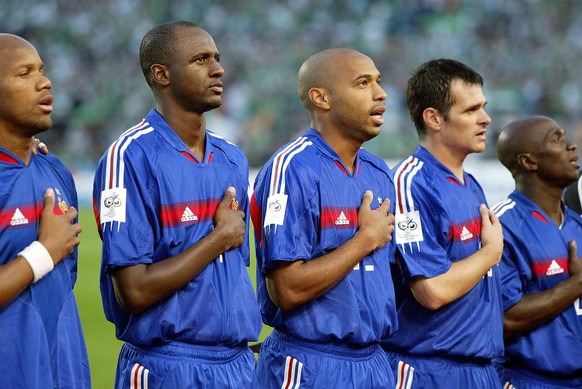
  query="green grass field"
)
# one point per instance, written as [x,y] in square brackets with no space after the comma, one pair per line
[102,345]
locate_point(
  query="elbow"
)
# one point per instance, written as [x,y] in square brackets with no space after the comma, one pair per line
[427,296]
[132,303]
[510,328]
[282,297]
[431,303]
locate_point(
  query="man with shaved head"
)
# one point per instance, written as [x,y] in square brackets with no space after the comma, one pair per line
[541,270]
[323,224]
[41,341]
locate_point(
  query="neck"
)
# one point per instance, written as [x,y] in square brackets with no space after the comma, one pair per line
[346,149]
[452,161]
[547,197]
[19,145]
[190,128]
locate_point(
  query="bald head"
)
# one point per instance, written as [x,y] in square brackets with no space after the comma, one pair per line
[9,43]
[322,70]
[522,136]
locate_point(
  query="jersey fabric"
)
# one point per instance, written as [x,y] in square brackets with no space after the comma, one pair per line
[438,223]
[535,258]
[41,340]
[305,204]
[153,199]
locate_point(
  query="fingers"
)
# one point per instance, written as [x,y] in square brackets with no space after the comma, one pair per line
[49,200]
[572,250]
[367,199]
[229,196]
[487,217]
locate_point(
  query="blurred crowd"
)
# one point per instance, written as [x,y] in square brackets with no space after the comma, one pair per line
[527,50]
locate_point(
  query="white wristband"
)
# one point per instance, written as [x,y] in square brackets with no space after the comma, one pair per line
[38,258]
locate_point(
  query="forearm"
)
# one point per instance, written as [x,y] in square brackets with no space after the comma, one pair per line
[15,277]
[139,287]
[296,283]
[461,277]
[536,309]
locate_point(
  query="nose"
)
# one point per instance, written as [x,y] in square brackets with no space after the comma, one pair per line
[486,119]
[44,82]
[217,70]
[381,94]
[571,146]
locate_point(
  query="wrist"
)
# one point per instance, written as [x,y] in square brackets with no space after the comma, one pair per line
[38,258]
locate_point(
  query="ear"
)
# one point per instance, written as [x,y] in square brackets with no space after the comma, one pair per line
[160,74]
[319,97]
[432,118]
[527,162]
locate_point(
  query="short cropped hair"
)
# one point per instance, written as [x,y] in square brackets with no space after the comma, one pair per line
[157,46]
[430,87]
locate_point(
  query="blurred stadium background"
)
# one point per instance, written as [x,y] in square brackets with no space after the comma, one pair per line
[528,51]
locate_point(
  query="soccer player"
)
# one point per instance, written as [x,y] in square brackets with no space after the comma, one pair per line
[541,273]
[41,341]
[171,202]
[323,227]
[449,312]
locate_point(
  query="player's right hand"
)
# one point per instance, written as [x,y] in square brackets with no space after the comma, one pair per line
[229,221]
[57,233]
[574,263]
[491,234]
[377,224]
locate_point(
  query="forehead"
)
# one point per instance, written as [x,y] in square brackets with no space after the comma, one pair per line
[467,94]
[356,65]
[16,53]
[192,40]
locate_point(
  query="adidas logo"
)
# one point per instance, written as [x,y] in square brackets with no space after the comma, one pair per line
[188,215]
[18,218]
[342,220]
[554,269]
[466,234]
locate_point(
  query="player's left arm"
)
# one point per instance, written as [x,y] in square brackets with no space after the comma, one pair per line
[536,309]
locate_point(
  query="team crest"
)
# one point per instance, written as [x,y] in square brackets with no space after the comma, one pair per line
[64,207]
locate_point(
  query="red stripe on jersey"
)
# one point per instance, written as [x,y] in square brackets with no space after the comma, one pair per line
[542,269]
[399,182]
[342,168]
[257,219]
[335,217]
[7,158]
[192,212]
[466,231]
[210,156]
[187,155]
[539,216]
[97,216]
[26,215]
[451,179]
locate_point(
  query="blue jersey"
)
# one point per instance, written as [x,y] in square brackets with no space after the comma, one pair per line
[153,199]
[438,223]
[535,258]
[41,341]
[305,205]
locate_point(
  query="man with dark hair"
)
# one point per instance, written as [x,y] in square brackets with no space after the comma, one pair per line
[449,313]
[171,202]
[41,341]
[323,225]
[541,273]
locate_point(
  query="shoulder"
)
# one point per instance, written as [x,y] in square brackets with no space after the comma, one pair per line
[375,162]
[510,213]
[230,150]
[297,160]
